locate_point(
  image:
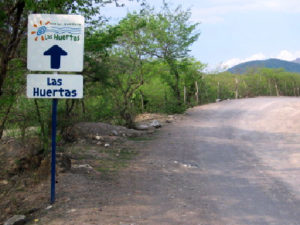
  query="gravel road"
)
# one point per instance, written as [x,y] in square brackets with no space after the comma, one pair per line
[229,163]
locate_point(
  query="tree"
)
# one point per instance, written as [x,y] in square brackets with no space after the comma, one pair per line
[127,61]
[13,25]
[13,22]
[172,36]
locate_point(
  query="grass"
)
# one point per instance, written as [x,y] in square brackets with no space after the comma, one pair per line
[15,131]
[108,161]
[142,138]
[117,159]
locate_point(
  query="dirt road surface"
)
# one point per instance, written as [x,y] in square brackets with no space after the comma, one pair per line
[228,163]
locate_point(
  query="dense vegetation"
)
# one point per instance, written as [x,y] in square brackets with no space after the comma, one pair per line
[142,64]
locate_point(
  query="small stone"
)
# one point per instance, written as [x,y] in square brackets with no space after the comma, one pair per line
[115,133]
[97,137]
[5,182]
[106,145]
[142,127]
[85,166]
[16,220]
[49,207]
[71,210]
[99,143]
[155,124]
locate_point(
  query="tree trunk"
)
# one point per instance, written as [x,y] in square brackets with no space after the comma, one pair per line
[2,125]
[276,88]
[177,91]
[142,102]
[270,90]
[3,72]
[218,91]
[8,51]
[285,86]
[184,94]
[236,88]
[197,93]
[174,71]
[83,107]
[42,125]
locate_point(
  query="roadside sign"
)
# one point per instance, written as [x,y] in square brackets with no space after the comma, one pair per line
[55,42]
[54,86]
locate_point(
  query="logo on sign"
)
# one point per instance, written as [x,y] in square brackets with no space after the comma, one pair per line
[40,30]
[56,31]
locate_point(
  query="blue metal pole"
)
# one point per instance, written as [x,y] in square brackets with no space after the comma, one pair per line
[53,155]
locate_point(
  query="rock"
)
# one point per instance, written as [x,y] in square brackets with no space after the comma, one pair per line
[71,210]
[63,162]
[106,145]
[16,220]
[218,100]
[189,165]
[4,182]
[49,207]
[142,127]
[86,132]
[114,133]
[85,166]
[155,124]
[99,138]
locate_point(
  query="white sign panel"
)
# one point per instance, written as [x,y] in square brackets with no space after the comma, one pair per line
[55,42]
[54,86]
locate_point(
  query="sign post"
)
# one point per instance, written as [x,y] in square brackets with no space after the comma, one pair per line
[53,153]
[55,43]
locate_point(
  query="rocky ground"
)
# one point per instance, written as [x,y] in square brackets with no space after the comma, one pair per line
[96,150]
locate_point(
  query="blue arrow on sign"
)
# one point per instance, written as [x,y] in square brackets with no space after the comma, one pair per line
[55,52]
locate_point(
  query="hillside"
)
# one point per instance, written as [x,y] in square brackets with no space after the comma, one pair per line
[296,60]
[269,63]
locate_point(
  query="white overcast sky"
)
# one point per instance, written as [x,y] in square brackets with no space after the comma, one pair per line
[235,31]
